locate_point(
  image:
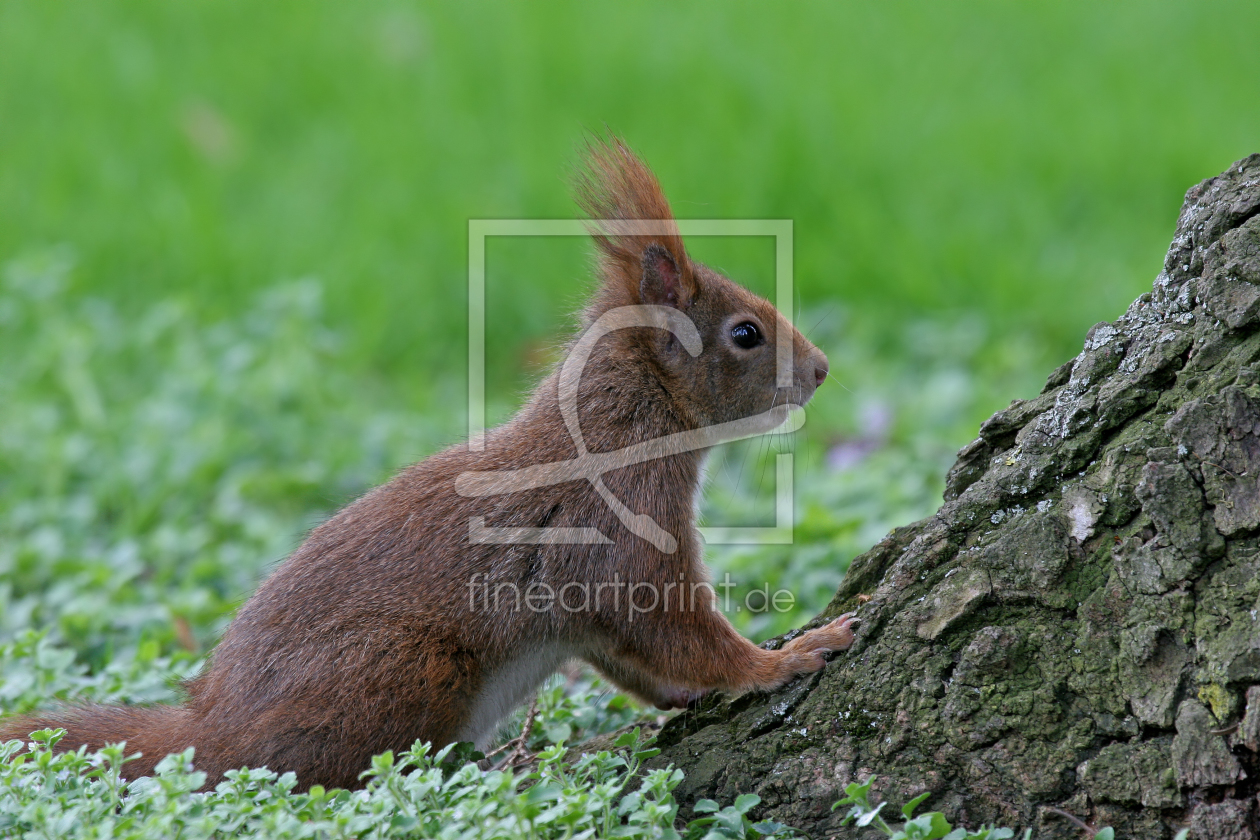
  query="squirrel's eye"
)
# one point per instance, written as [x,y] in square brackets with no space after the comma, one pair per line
[746,335]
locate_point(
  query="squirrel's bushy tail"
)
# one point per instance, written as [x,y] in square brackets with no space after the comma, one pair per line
[153,731]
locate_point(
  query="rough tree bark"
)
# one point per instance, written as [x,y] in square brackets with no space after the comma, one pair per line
[1078,626]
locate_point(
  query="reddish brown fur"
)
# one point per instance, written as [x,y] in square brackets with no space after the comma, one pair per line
[368,637]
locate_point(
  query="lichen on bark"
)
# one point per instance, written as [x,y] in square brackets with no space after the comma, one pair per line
[1078,626]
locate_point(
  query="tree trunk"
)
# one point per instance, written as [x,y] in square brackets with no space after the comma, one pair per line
[1078,626]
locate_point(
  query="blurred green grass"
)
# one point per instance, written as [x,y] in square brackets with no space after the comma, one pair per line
[1018,164]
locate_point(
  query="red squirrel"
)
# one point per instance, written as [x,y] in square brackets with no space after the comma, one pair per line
[398,620]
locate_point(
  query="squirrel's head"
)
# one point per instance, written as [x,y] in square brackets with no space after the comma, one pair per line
[642,262]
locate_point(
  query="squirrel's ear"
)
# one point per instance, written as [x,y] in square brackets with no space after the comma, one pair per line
[642,257]
[661,283]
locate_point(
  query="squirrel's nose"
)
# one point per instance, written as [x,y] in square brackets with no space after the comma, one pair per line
[820,370]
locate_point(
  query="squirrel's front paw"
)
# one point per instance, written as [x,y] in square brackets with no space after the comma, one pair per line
[837,635]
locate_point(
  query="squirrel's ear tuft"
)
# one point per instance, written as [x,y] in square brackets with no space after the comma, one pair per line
[642,257]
